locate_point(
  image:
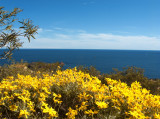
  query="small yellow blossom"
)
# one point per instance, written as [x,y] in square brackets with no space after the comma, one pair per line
[157,116]
[91,112]
[13,107]
[23,113]
[72,113]
[101,105]
[50,111]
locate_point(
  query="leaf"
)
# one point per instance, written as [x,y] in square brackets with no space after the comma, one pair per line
[8,27]
[22,27]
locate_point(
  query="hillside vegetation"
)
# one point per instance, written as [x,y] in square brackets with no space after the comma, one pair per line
[41,90]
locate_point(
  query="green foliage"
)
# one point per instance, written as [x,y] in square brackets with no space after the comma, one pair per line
[10,35]
[33,69]
[44,67]
[91,70]
[13,70]
[127,75]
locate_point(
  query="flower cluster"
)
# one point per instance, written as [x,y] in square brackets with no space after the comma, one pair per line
[74,94]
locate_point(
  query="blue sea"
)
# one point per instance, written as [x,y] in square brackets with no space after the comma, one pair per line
[102,60]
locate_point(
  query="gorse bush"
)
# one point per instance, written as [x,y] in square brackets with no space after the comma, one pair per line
[131,74]
[128,75]
[74,94]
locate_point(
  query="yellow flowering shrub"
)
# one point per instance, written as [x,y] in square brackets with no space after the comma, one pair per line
[74,94]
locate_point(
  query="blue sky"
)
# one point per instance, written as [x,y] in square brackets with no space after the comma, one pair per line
[92,24]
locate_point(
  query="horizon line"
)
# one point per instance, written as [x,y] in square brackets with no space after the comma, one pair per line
[79,49]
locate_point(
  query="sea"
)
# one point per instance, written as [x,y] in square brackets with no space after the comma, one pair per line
[102,60]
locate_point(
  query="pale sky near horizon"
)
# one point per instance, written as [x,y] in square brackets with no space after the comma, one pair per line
[92,24]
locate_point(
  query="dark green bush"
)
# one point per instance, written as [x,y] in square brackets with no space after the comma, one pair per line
[44,67]
[13,70]
[28,69]
[91,70]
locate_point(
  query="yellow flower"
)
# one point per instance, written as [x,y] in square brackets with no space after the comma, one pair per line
[54,94]
[13,107]
[137,114]
[72,113]
[24,99]
[157,116]
[83,106]
[101,105]
[30,104]
[46,90]
[55,98]
[50,111]
[23,113]
[6,93]
[91,112]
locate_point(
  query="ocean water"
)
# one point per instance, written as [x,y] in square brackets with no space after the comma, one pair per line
[103,60]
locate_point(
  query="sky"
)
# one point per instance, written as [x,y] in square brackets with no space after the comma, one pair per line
[91,24]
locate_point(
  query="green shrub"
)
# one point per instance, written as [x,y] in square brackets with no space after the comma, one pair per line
[33,69]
